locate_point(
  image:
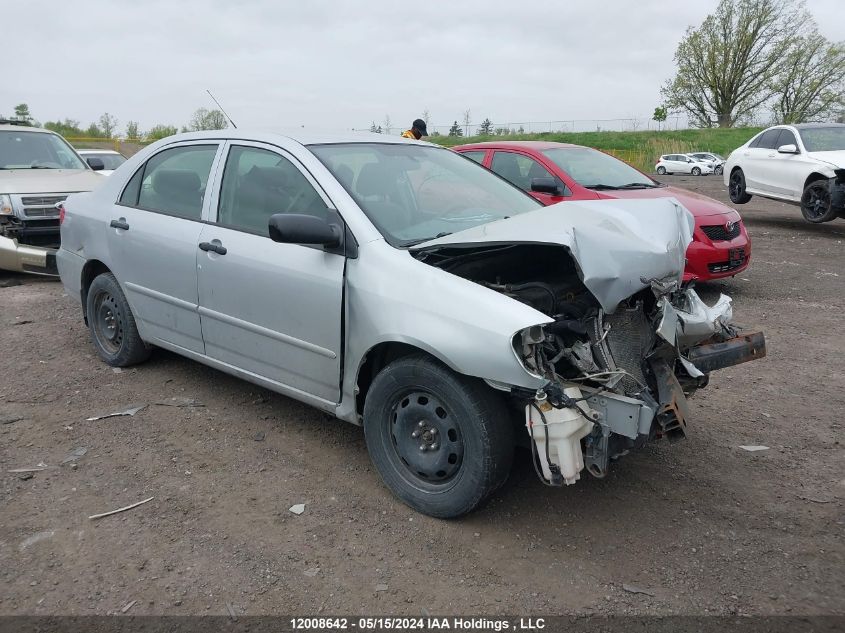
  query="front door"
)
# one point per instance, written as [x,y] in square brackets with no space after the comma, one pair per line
[520,170]
[271,309]
[152,236]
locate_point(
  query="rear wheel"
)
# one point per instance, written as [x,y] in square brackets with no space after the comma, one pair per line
[112,326]
[441,442]
[816,202]
[696,171]
[661,170]
[736,188]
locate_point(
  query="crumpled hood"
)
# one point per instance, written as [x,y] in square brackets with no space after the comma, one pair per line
[616,243]
[24,181]
[835,158]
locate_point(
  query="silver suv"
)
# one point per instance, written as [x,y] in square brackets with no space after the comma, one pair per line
[402,286]
[38,170]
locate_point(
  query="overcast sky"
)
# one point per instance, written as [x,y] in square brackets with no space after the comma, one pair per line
[342,64]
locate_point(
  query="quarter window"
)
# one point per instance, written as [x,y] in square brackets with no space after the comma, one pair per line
[477,156]
[172,181]
[257,184]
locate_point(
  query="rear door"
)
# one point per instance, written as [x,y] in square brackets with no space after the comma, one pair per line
[152,235]
[271,309]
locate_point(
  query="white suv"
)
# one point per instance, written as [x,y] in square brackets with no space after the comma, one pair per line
[803,164]
[683,164]
[38,170]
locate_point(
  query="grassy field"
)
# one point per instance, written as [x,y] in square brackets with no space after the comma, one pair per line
[640,149]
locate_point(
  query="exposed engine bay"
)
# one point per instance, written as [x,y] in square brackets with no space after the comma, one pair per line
[616,378]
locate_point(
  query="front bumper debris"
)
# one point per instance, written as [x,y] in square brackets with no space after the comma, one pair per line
[27,259]
[740,349]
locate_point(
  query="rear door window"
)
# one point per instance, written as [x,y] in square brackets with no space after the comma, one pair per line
[769,139]
[172,182]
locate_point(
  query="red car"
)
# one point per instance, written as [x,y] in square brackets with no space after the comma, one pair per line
[555,172]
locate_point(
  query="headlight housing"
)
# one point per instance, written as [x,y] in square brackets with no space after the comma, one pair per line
[6,204]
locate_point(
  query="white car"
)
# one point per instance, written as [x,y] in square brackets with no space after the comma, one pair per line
[803,164]
[110,158]
[707,157]
[683,164]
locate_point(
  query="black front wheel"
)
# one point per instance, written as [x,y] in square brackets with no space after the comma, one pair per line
[816,203]
[441,442]
[112,326]
[718,170]
[736,188]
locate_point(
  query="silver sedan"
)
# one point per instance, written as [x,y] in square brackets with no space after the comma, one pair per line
[403,287]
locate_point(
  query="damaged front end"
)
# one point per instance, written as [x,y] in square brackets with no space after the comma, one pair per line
[623,350]
[624,376]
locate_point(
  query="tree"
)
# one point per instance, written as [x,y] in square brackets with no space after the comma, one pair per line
[660,115]
[22,112]
[108,125]
[810,84]
[387,124]
[455,130]
[726,66]
[376,129]
[426,116]
[93,131]
[67,128]
[132,130]
[205,119]
[160,131]
[486,127]
[467,119]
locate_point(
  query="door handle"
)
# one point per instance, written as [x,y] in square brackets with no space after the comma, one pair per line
[119,224]
[213,247]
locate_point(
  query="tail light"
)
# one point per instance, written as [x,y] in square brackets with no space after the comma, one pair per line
[61,208]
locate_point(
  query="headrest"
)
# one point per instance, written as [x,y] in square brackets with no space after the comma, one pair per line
[267,177]
[175,182]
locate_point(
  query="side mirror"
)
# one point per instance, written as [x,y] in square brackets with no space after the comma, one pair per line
[690,160]
[788,149]
[95,163]
[294,228]
[546,185]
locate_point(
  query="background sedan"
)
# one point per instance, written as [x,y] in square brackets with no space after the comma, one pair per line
[555,172]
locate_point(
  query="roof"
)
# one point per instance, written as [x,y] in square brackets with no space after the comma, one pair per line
[301,136]
[534,145]
[23,128]
[810,126]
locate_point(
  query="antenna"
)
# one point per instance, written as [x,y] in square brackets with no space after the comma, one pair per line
[221,109]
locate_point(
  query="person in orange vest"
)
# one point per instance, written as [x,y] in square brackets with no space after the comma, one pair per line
[417,130]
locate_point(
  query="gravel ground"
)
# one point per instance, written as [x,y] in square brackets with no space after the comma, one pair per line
[700,526]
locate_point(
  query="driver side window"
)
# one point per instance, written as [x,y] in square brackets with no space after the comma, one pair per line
[257,184]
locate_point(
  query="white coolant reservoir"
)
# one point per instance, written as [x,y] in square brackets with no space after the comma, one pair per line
[563,430]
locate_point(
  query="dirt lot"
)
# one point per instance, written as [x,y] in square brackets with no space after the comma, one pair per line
[702,526]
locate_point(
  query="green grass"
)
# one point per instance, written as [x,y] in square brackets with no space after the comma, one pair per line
[641,149]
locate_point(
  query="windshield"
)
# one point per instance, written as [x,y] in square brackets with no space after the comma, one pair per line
[36,150]
[414,193]
[824,139]
[593,169]
[110,161]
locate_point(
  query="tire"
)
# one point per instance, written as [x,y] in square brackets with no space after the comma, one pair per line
[111,324]
[696,171]
[816,204]
[719,169]
[416,402]
[661,170]
[736,187]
